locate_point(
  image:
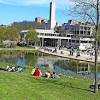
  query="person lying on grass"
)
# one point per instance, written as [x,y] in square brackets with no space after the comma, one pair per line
[12,69]
[48,74]
[54,75]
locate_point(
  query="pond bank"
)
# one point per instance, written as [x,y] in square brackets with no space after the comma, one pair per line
[65,54]
[41,52]
[22,50]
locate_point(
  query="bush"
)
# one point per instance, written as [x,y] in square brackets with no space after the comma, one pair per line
[9,44]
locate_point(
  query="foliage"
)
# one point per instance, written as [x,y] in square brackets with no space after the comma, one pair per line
[8,33]
[11,33]
[32,36]
[31,59]
[2,32]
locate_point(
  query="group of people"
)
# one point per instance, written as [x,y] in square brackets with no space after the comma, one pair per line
[72,52]
[48,74]
[12,69]
[37,73]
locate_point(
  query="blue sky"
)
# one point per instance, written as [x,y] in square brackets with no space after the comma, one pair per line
[19,10]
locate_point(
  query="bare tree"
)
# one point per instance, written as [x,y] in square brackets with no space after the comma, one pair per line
[90,11]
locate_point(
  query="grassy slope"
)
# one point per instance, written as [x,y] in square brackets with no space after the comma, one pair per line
[23,86]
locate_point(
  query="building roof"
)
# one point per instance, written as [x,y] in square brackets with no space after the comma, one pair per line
[24,31]
[46,31]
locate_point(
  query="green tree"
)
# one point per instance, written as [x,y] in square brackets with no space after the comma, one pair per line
[8,33]
[11,34]
[2,31]
[32,35]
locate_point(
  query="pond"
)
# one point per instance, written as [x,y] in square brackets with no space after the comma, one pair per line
[64,66]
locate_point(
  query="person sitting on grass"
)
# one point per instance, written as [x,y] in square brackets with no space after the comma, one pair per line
[47,74]
[37,73]
[54,75]
[33,70]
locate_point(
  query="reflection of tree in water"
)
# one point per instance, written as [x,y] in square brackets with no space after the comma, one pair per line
[8,57]
[18,57]
[98,67]
[67,64]
[93,68]
[30,59]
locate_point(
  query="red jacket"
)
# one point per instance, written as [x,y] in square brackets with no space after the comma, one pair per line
[37,72]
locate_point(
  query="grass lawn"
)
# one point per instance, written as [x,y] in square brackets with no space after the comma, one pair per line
[23,86]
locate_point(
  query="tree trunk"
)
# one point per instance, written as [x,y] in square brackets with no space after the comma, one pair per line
[96,50]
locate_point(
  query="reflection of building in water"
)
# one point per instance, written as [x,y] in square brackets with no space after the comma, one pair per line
[83,67]
[48,61]
[45,60]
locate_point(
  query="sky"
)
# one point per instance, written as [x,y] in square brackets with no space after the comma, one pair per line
[20,10]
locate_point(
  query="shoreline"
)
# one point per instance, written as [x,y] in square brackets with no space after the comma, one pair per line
[65,54]
[82,57]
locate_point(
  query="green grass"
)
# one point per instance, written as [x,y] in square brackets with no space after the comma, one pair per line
[23,86]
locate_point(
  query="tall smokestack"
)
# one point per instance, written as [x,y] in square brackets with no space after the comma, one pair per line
[52,19]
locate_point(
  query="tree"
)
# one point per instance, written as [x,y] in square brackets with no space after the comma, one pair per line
[32,35]
[2,31]
[9,33]
[90,11]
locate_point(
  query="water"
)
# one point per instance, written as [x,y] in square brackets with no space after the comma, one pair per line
[60,65]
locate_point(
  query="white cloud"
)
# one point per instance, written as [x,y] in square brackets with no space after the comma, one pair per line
[22,2]
[33,2]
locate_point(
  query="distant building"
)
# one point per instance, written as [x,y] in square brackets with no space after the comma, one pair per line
[81,33]
[78,28]
[40,20]
[73,33]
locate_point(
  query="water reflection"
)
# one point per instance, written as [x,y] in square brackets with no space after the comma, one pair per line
[60,65]
[21,61]
[60,69]
[83,67]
